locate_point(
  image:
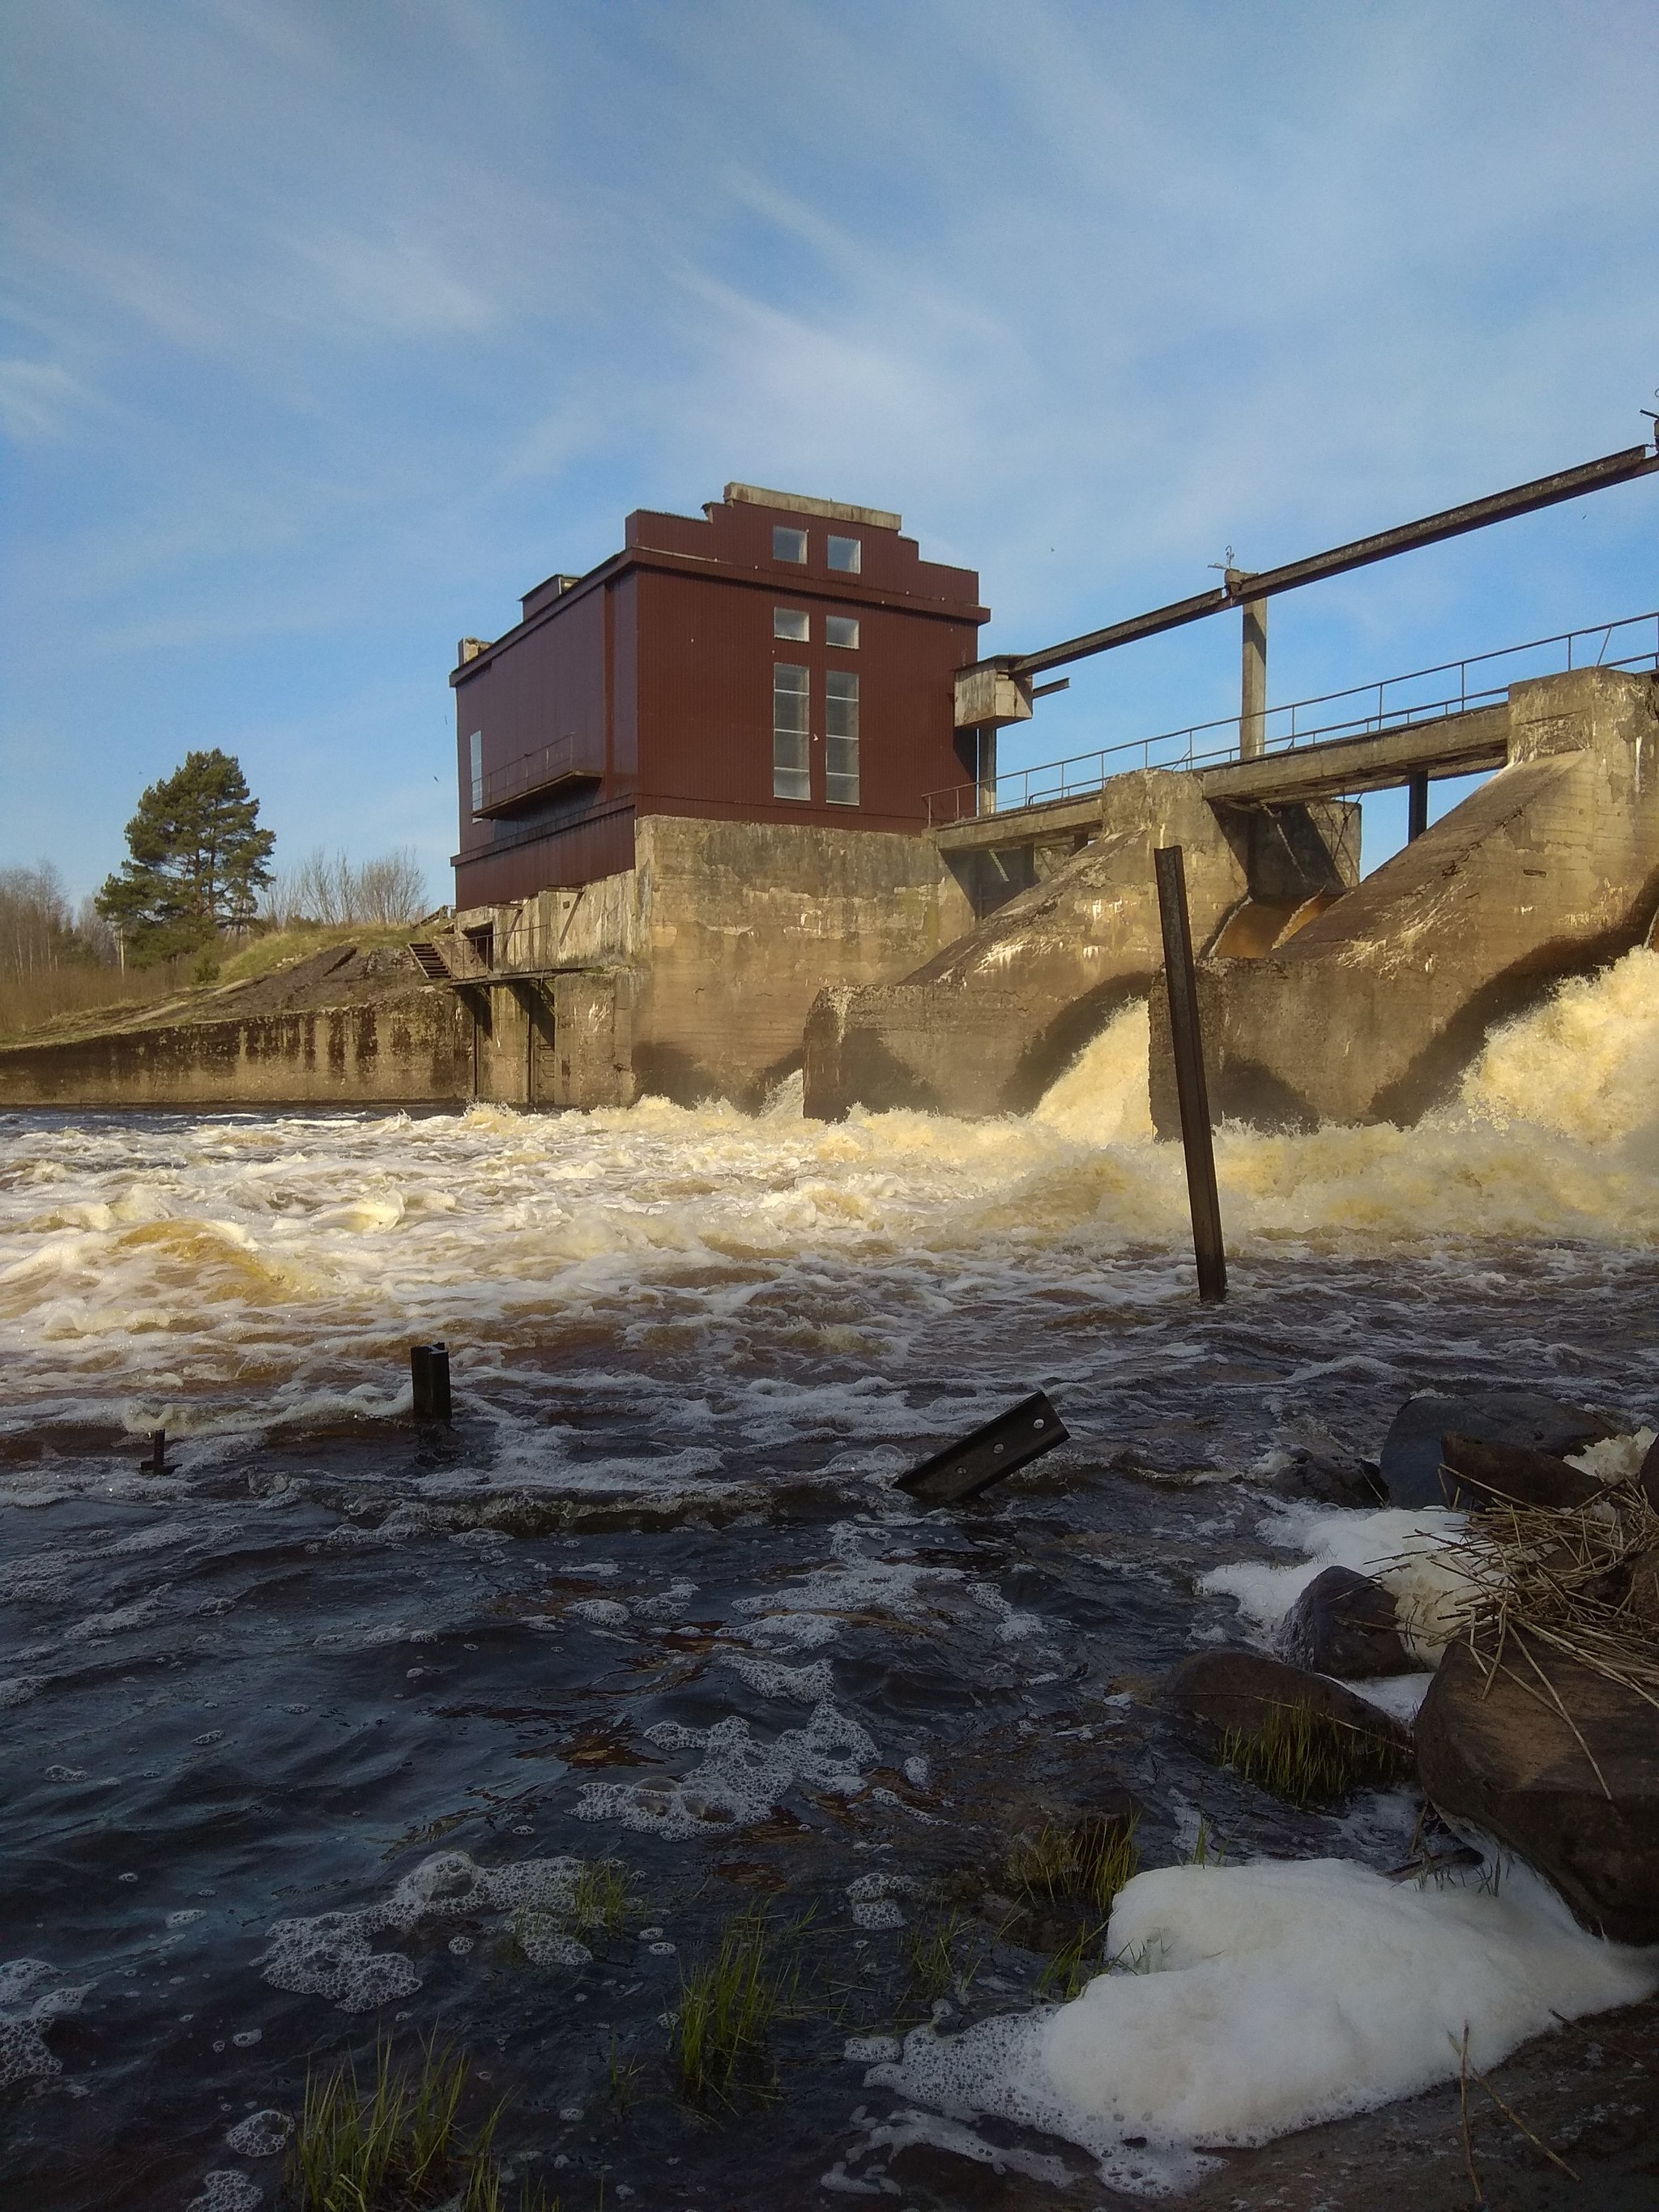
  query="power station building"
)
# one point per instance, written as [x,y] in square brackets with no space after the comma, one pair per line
[693,791]
[782,661]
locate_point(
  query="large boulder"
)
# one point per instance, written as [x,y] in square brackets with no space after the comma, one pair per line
[1231,1690]
[1413,1450]
[1648,1475]
[1478,1475]
[1344,1624]
[1501,1761]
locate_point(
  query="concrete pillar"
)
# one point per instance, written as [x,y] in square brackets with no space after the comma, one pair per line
[1253,695]
[986,769]
[1417,807]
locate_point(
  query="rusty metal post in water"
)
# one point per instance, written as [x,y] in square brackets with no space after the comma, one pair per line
[1181,988]
[428,1368]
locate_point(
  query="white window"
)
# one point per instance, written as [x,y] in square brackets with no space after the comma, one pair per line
[841,630]
[846,554]
[840,728]
[790,544]
[793,623]
[792,772]
[476,743]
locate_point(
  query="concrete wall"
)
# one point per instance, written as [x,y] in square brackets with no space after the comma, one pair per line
[415,1047]
[690,977]
[986,1026]
[1372,1011]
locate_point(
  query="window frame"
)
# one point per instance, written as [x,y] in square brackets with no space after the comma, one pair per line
[844,622]
[801,636]
[791,747]
[841,746]
[782,532]
[846,546]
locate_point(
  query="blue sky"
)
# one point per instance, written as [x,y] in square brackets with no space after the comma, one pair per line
[330,330]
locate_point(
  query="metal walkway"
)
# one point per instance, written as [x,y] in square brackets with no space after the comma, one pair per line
[1446,721]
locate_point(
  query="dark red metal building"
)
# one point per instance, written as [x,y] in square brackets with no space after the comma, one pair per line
[784,659]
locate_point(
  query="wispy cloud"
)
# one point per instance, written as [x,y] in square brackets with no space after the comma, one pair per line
[334,329]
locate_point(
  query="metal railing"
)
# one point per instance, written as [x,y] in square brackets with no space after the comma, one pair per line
[1286,727]
[534,771]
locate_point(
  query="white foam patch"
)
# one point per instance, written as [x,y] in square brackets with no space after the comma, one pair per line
[1399,1696]
[1615,1459]
[227,2191]
[1410,1553]
[813,1609]
[799,1686]
[740,1780]
[25,2010]
[1270,1998]
[261,2135]
[333,1955]
[874,1898]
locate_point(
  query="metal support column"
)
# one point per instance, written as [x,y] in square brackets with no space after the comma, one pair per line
[1417,807]
[1252,695]
[1191,1089]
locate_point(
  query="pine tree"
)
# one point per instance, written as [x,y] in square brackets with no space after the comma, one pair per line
[198,861]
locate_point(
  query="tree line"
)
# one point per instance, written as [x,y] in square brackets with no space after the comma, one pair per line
[198,868]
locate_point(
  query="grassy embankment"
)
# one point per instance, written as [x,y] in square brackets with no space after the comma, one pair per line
[48,1000]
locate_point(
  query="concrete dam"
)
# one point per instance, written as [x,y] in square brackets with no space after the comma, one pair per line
[733,953]
[714,832]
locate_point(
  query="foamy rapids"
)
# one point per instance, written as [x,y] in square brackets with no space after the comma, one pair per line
[229,1269]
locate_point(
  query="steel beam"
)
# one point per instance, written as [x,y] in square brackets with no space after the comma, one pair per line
[1451,522]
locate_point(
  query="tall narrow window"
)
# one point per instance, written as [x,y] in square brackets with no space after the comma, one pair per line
[846,554]
[792,623]
[789,544]
[840,729]
[476,743]
[792,772]
[841,630]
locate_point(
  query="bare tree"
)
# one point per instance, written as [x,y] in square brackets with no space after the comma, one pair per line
[35,928]
[387,891]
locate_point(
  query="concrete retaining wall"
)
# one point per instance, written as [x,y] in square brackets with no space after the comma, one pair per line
[417,1047]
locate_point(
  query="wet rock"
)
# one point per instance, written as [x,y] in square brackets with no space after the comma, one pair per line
[1510,1475]
[1344,1624]
[1326,1472]
[1412,1454]
[1501,1760]
[1233,1689]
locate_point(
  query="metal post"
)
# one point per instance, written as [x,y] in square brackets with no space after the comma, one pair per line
[1252,695]
[1417,808]
[429,1371]
[1191,1089]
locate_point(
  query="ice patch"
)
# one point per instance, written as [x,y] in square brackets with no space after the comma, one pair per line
[1266,1998]
[740,1780]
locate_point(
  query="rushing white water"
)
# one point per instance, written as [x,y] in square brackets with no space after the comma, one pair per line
[148,1261]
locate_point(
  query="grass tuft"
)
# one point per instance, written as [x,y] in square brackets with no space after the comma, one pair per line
[1307,1757]
[1086,1864]
[395,2144]
[728,2004]
[937,1955]
[602,1897]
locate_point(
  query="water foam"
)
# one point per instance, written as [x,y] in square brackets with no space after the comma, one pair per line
[1253,2000]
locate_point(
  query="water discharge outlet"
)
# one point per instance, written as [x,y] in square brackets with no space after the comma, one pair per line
[1013,1440]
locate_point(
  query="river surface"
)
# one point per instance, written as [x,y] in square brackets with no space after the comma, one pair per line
[293,1729]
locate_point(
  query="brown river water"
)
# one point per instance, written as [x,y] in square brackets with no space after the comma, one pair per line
[299,1734]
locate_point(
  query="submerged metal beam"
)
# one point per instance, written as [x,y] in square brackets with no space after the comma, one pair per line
[1358,553]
